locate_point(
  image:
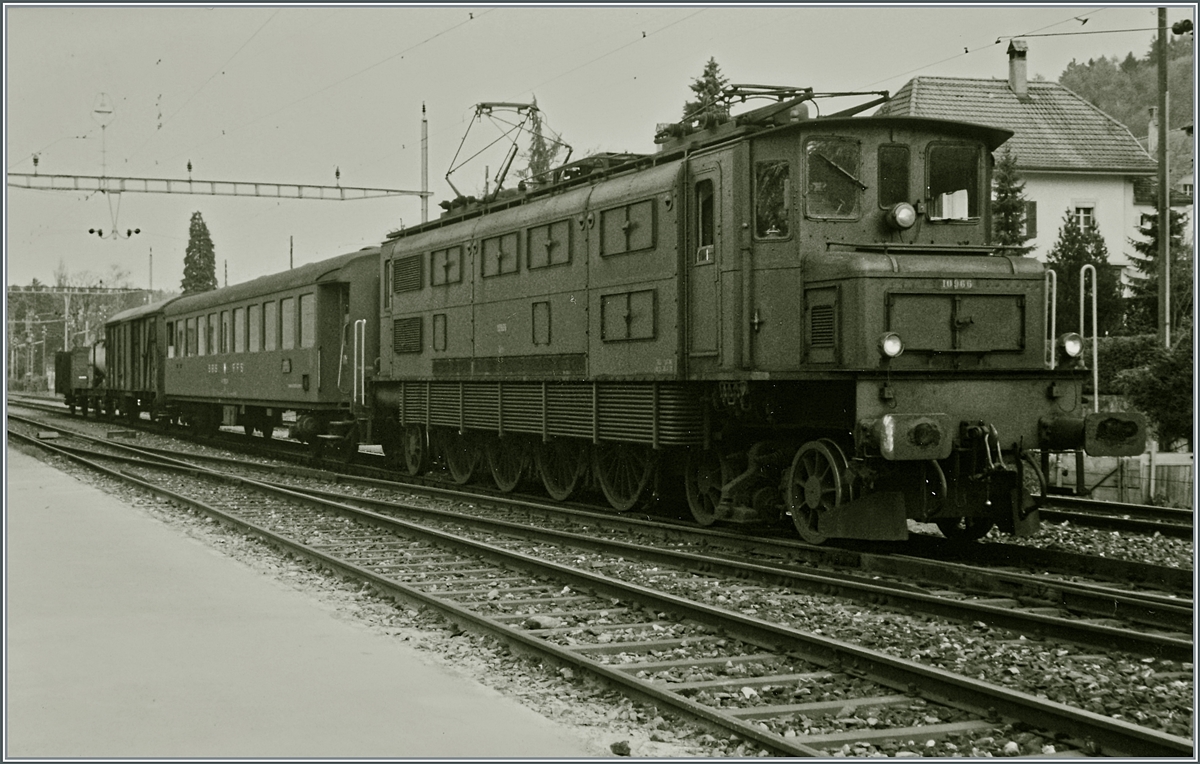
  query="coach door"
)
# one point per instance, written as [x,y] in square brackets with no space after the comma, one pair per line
[702,259]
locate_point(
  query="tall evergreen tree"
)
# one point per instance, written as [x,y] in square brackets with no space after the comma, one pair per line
[707,109]
[199,261]
[543,150]
[1074,249]
[1141,313]
[1008,210]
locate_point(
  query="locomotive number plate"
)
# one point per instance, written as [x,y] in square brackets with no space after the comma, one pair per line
[958,283]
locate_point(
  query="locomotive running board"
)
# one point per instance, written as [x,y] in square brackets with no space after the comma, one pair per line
[877,517]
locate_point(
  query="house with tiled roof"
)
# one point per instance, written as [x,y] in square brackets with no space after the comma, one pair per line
[1074,158]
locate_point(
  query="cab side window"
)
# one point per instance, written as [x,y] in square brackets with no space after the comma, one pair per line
[772,199]
[834,187]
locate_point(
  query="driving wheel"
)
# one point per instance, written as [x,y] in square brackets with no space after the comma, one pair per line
[815,486]
[623,471]
[461,454]
[506,458]
[562,463]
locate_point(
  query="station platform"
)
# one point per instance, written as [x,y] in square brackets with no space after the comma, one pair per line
[127,639]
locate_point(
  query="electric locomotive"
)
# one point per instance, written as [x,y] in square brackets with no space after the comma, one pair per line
[786,315]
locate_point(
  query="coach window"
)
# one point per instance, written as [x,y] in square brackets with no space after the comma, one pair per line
[834,186]
[308,320]
[287,323]
[893,174]
[953,182]
[202,332]
[226,344]
[214,334]
[270,325]
[191,336]
[239,330]
[254,320]
[772,203]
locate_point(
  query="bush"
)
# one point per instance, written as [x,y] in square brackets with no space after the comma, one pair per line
[1118,354]
[1162,389]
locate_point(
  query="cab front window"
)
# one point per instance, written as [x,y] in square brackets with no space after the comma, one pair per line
[834,187]
[954,171]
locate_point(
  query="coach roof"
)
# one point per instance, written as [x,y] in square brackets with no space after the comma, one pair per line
[142,310]
[304,275]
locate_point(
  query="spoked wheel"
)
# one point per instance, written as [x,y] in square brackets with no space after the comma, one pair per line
[623,471]
[562,463]
[506,458]
[462,456]
[702,479]
[414,449]
[815,486]
[964,528]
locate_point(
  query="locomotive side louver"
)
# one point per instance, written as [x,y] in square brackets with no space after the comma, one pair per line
[406,335]
[407,274]
[820,330]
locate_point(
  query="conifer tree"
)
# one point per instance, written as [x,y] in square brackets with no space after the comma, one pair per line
[707,109]
[1008,210]
[1075,248]
[543,150]
[199,261]
[1141,314]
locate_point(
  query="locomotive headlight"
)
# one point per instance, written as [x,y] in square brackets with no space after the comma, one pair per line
[890,345]
[901,216]
[1071,344]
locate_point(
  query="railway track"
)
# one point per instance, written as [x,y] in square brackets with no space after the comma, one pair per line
[1134,518]
[1081,612]
[711,664]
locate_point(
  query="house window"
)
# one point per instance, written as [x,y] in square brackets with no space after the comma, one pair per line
[1085,217]
[1031,220]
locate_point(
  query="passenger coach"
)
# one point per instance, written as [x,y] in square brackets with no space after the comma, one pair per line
[245,354]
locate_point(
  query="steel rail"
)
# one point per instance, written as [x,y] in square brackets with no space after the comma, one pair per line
[1112,736]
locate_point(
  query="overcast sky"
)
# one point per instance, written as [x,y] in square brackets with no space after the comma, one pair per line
[288,94]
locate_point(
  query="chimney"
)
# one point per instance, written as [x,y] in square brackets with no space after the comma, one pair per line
[1018,80]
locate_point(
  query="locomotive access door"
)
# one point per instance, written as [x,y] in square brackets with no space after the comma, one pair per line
[702,261]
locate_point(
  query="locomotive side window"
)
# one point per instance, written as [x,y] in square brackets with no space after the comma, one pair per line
[706,225]
[627,229]
[254,316]
[893,174]
[953,181]
[308,320]
[834,187]
[239,330]
[500,255]
[287,323]
[549,245]
[446,266]
[772,199]
[270,325]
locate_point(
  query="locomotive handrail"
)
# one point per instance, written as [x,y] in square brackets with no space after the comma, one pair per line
[359,394]
[1052,311]
[1095,345]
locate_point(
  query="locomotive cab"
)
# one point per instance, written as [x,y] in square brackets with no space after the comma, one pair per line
[868,337]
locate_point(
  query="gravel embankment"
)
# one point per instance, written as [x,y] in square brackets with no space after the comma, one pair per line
[1155,693]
